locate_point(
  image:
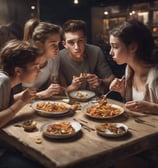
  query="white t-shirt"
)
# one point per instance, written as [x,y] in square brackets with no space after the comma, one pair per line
[137,95]
[5,89]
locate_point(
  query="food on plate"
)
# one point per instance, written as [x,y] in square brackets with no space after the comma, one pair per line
[83,75]
[81,95]
[51,106]
[29,125]
[60,128]
[111,128]
[103,110]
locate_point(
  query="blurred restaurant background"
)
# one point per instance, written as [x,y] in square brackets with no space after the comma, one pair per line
[100,16]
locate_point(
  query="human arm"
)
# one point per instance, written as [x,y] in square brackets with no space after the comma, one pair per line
[93,80]
[142,106]
[76,83]
[53,89]
[8,114]
[118,85]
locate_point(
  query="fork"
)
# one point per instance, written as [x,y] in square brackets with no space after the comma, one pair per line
[138,120]
[103,99]
[84,125]
[107,93]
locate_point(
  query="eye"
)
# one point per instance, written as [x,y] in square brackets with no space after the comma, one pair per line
[70,42]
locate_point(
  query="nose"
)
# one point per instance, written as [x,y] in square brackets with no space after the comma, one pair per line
[111,52]
[76,45]
[38,67]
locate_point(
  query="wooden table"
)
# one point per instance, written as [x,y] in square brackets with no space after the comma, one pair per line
[85,150]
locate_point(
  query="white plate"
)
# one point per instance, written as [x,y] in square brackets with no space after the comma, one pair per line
[74,124]
[109,133]
[86,106]
[50,114]
[88,95]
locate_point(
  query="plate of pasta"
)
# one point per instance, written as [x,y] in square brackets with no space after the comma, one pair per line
[102,110]
[82,95]
[60,129]
[112,129]
[50,108]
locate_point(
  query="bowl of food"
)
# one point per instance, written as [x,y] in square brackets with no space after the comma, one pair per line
[112,129]
[82,95]
[60,129]
[102,110]
[51,108]
[29,125]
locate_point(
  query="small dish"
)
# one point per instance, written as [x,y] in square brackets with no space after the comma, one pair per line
[82,95]
[112,129]
[29,125]
[49,129]
[50,108]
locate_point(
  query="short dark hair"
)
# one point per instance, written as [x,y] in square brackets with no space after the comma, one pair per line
[75,25]
[17,53]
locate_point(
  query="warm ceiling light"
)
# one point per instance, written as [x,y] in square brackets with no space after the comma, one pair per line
[76,1]
[33,7]
[106,12]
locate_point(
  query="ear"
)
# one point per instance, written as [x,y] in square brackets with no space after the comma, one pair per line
[40,46]
[18,71]
[133,47]
[64,43]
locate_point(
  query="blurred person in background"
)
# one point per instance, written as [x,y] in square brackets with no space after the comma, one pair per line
[9,32]
[80,60]
[16,31]
[19,63]
[4,35]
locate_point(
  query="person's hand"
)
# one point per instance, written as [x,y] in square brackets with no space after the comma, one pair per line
[93,80]
[139,106]
[28,95]
[53,89]
[118,85]
[76,82]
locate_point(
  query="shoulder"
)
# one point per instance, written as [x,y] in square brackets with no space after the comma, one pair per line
[152,79]
[63,56]
[63,52]
[93,51]
[4,79]
[92,47]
